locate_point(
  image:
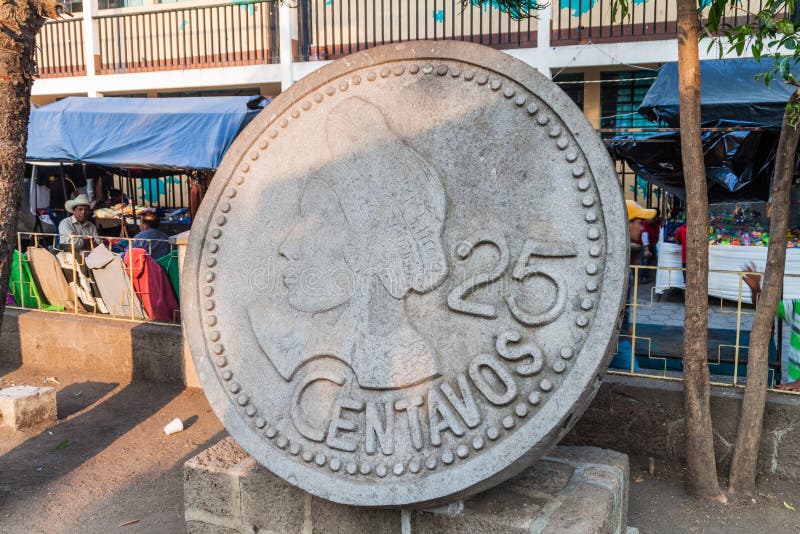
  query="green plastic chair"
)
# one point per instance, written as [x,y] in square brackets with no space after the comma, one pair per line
[23,287]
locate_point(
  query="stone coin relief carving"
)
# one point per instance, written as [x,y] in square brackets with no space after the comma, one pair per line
[381,236]
[426,304]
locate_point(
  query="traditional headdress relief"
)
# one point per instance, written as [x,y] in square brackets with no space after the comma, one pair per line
[368,234]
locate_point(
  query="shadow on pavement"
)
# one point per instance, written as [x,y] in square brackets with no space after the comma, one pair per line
[57,451]
[75,397]
[153,500]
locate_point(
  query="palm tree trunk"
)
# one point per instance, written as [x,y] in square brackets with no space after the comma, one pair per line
[19,25]
[701,477]
[748,437]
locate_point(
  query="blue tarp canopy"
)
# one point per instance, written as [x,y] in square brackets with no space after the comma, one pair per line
[140,133]
[728,91]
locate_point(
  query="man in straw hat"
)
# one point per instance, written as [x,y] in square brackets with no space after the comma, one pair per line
[636,217]
[76,225]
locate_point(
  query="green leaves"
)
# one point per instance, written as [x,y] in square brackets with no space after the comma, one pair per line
[516,9]
[793,114]
[715,13]
[621,8]
[772,32]
[757,47]
[63,445]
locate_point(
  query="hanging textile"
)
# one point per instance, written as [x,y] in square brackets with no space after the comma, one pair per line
[80,282]
[23,288]
[170,264]
[152,285]
[115,286]
[50,278]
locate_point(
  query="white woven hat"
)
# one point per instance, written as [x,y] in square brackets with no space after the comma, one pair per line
[80,200]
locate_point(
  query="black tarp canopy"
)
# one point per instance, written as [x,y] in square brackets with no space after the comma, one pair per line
[728,91]
[738,163]
[742,118]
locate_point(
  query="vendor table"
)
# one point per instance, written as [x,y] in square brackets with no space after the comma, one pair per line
[727,258]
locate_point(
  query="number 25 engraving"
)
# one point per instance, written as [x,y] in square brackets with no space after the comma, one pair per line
[523,270]
[456,299]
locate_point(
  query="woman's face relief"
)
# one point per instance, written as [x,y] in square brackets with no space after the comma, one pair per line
[317,276]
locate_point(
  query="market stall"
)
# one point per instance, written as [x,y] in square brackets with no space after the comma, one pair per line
[138,139]
[738,237]
[742,118]
[732,259]
[74,145]
[741,124]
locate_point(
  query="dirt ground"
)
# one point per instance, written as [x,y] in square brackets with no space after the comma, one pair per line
[118,465]
[658,504]
[107,466]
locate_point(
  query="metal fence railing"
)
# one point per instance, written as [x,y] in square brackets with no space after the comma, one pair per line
[124,279]
[580,21]
[170,192]
[651,340]
[237,33]
[59,49]
[340,27]
[137,280]
[246,32]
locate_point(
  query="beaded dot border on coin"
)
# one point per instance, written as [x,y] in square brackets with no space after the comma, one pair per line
[521,410]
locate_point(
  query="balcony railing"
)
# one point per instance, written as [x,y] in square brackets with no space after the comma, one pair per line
[241,33]
[582,21]
[340,27]
[245,32]
[59,49]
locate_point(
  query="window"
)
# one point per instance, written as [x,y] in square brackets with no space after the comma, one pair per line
[127,95]
[246,91]
[116,4]
[572,84]
[621,93]
[76,6]
[73,6]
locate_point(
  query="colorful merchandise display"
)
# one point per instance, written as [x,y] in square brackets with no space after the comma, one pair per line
[742,226]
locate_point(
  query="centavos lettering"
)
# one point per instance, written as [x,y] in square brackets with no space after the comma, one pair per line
[377,426]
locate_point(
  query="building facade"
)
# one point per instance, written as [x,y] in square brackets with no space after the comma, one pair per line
[203,47]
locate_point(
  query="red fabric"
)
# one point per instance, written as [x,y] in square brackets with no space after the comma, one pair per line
[195,197]
[652,227]
[152,286]
[680,237]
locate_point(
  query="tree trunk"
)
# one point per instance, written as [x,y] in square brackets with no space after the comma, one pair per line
[748,437]
[20,21]
[701,477]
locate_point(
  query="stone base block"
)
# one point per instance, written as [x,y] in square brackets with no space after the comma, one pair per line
[574,489]
[27,406]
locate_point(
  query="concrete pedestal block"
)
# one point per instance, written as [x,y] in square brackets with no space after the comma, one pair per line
[574,489]
[27,406]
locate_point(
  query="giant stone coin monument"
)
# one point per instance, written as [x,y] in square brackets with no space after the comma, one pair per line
[404,282]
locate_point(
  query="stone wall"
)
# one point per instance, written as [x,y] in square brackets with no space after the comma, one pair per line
[644,417]
[92,346]
[573,489]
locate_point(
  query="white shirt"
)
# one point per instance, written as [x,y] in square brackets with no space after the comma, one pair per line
[71,226]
